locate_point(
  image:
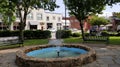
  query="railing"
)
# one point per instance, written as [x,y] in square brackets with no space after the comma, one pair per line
[9,40]
[97,38]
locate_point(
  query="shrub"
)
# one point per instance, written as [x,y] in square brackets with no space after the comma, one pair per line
[118,34]
[63,34]
[86,34]
[14,33]
[46,34]
[5,33]
[76,35]
[104,33]
[28,34]
[38,34]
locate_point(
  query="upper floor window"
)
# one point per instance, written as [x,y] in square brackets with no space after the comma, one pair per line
[53,17]
[39,16]
[30,16]
[47,18]
[59,19]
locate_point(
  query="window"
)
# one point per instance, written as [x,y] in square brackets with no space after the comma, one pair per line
[39,16]
[53,17]
[3,26]
[58,18]
[33,27]
[16,25]
[58,24]
[49,25]
[30,16]
[47,18]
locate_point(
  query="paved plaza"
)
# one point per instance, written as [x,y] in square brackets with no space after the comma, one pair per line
[107,56]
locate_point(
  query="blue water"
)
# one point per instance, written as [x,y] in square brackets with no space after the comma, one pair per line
[51,52]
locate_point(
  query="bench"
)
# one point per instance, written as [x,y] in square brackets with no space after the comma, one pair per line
[97,38]
[9,40]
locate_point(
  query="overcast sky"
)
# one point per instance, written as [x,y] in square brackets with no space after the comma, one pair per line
[107,12]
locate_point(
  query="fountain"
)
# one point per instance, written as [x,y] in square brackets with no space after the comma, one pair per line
[55,55]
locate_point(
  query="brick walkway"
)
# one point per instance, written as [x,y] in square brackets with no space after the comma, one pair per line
[106,57]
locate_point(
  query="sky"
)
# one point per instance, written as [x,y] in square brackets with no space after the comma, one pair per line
[107,12]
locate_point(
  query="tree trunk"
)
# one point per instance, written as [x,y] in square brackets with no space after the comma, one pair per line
[82,31]
[21,33]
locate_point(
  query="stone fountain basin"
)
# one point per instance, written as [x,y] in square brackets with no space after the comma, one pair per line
[22,60]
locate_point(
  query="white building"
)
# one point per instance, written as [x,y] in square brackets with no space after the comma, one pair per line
[40,20]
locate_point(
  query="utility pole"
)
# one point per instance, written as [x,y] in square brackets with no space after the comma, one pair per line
[65,14]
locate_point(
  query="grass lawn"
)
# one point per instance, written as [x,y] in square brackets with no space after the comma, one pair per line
[73,40]
[115,40]
[112,41]
[35,42]
[27,43]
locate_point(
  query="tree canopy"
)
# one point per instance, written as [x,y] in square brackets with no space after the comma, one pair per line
[7,15]
[95,20]
[116,14]
[81,9]
[24,7]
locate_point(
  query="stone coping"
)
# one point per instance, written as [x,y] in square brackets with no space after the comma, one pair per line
[22,60]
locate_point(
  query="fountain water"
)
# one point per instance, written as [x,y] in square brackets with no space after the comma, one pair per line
[57,42]
[58,51]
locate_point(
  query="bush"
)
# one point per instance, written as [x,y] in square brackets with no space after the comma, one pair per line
[46,34]
[28,34]
[38,34]
[118,34]
[14,33]
[104,33]
[76,35]
[63,34]
[86,34]
[5,33]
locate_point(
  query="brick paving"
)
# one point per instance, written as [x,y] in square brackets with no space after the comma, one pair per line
[107,56]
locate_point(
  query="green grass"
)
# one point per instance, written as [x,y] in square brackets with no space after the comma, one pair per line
[115,40]
[112,41]
[35,42]
[73,40]
[27,43]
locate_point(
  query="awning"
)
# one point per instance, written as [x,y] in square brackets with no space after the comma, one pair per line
[34,23]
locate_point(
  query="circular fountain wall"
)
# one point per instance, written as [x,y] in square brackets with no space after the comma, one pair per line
[26,57]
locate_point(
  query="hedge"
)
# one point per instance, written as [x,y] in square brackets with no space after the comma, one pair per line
[63,34]
[76,35]
[28,34]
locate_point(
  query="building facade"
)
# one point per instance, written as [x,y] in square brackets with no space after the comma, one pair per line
[40,20]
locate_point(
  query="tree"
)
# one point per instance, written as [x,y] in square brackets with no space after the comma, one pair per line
[116,14]
[7,15]
[24,7]
[81,9]
[95,20]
